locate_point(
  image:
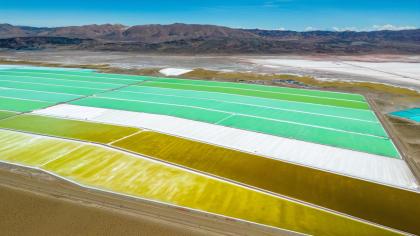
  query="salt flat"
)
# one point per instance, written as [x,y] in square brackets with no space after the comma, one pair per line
[399,70]
[173,71]
[401,73]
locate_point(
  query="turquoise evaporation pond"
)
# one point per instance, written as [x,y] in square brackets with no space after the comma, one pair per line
[345,124]
[24,89]
[36,95]
[410,114]
[356,129]
[93,74]
[28,67]
[359,135]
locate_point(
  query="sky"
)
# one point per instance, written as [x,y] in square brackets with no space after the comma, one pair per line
[301,15]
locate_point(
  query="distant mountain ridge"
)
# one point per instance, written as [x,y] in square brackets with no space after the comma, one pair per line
[193,38]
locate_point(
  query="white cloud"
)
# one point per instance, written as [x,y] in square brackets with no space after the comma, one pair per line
[281,28]
[392,27]
[345,29]
[374,28]
[310,28]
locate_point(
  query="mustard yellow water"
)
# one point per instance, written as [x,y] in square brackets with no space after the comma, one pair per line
[5,114]
[32,150]
[87,131]
[116,171]
[366,200]
[370,201]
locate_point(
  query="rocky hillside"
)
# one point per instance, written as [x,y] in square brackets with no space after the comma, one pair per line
[185,38]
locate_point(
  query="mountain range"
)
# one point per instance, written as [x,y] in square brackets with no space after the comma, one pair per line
[206,39]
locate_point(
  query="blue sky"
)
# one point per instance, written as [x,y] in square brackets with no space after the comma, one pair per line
[265,14]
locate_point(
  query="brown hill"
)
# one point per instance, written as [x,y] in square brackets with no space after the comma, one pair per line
[174,32]
[191,38]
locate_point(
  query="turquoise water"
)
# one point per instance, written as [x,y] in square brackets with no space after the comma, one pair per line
[409,114]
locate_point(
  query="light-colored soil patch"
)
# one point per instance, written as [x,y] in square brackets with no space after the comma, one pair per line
[27,213]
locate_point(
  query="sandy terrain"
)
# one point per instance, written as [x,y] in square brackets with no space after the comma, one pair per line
[27,213]
[405,134]
[39,204]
